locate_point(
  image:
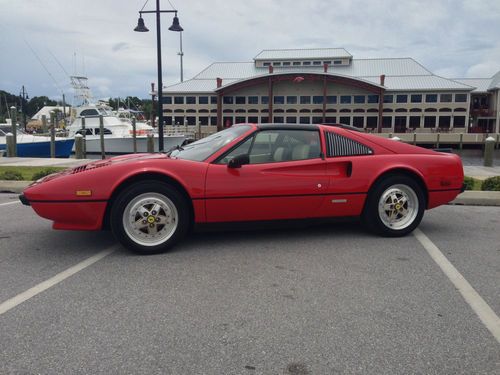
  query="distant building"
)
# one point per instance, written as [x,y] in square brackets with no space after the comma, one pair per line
[329,85]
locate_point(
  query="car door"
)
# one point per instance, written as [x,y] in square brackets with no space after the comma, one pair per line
[285,178]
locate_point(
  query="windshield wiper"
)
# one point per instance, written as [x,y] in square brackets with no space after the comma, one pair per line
[172,149]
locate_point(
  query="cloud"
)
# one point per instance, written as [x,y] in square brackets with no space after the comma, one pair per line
[451,38]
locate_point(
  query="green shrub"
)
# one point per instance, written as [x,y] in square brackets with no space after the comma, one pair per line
[491,184]
[43,173]
[469,183]
[11,175]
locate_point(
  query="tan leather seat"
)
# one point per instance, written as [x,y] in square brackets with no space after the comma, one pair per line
[300,152]
[279,154]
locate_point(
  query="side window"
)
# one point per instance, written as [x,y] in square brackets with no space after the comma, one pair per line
[105,131]
[273,146]
[338,145]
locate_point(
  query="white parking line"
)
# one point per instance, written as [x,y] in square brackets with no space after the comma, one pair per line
[5,204]
[37,289]
[475,301]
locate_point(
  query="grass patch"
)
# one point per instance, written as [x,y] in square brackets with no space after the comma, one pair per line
[26,173]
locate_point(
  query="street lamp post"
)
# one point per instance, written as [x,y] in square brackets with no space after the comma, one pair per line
[142,28]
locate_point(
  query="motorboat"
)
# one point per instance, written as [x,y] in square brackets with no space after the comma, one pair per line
[35,146]
[118,132]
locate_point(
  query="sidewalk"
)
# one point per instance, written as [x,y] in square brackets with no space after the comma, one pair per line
[481,198]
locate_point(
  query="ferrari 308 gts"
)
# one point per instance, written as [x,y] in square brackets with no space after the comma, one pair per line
[251,172]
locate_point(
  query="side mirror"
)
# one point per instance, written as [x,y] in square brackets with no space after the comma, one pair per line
[238,161]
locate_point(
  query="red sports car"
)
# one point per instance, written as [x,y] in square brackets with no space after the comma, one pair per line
[247,173]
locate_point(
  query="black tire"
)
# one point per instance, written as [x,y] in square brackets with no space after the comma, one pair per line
[393,222]
[149,217]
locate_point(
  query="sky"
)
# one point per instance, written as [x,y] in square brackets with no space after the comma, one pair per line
[43,42]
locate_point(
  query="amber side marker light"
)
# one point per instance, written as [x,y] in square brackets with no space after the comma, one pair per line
[83,193]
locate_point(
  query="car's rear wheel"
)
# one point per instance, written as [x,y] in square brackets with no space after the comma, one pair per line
[395,206]
[149,217]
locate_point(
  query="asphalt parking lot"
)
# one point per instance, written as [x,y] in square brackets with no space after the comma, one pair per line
[325,299]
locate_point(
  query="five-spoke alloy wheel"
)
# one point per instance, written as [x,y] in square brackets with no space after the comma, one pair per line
[395,206]
[149,217]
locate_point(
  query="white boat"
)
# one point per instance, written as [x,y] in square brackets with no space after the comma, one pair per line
[118,134]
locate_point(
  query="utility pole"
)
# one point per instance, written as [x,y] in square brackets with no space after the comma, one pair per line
[153,104]
[23,95]
[181,54]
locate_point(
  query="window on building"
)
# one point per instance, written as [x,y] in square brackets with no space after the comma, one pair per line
[387,122]
[345,120]
[359,99]
[316,62]
[330,120]
[403,98]
[266,64]
[446,98]
[203,99]
[328,62]
[357,121]
[460,98]
[371,122]
[416,98]
[305,120]
[296,63]
[291,100]
[372,99]
[264,99]
[291,120]
[429,121]
[305,100]
[240,100]
[178,99]
[213,100]
[213,120]
[264,120]
[414,122]
[190,100]
[253,119]
[459,122]
[444,121]
[317,120]
[279,99]
[286,63]
[167,100]
[228,100]
[203,120]
[253,100]
[277,63]
[345,99]
[388,98]
[278,119]
[318,99]
[240,120]
[331,99]
[306,63]
[431,98]
[337,62]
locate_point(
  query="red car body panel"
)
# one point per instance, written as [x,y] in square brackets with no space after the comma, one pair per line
[311,188]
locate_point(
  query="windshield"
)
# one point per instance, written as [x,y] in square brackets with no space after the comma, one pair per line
[202,149]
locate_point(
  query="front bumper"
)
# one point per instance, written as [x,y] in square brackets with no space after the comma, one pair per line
[23,200]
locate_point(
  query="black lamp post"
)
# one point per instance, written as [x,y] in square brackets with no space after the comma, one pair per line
[142,28]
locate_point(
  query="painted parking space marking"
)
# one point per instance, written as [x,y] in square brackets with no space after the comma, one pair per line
[37,289]
[475,301]
[5,204]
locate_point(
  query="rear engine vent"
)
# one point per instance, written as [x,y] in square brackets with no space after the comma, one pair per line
[338,145]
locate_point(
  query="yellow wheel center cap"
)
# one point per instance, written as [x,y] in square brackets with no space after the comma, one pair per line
[398,207]
[151,219]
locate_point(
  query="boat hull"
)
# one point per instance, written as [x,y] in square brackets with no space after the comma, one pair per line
[42,149]
[119,145]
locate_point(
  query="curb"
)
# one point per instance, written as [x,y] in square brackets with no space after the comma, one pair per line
[13,186]
[477,198]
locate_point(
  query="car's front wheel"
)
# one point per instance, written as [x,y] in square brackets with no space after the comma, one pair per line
[395,206]
[149,217]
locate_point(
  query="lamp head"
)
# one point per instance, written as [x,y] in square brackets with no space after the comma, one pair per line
[175,24]
[140,26]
